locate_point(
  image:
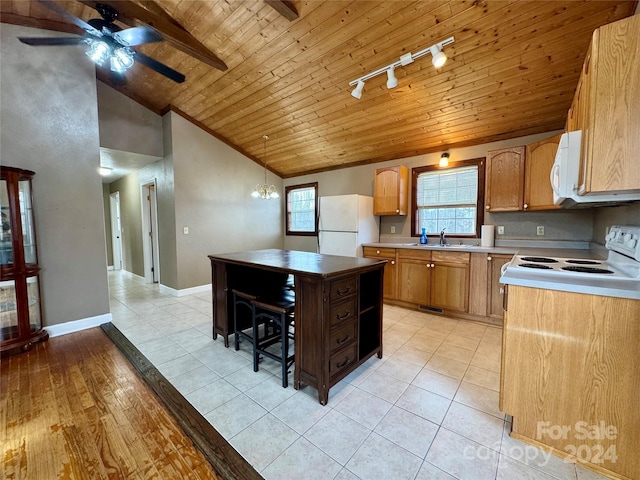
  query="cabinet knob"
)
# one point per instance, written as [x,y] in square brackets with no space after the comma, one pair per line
[489,259]
[428,265]
[397,210]
[525,206]
[432,265]
[393,262]
[487,207]
[377,251]
[501,290]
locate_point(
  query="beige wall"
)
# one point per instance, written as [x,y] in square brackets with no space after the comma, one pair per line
[213,185]
[49,124]
[126,125]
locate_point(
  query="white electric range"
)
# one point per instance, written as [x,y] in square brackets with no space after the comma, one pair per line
[618,275]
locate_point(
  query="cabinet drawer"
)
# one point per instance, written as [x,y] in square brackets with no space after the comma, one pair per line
[379,252]
[342,336]
[414,253]
[342,359]
[342,312]
[455,257]
[342,288]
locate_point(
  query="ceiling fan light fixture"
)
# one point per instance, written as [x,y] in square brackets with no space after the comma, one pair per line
[99,51]
[392,81]
[121,60]
[357,92]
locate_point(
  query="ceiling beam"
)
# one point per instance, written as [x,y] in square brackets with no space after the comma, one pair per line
[285,8]
[133,14]
[12,18]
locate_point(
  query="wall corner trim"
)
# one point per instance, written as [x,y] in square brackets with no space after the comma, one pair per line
[77,325]
[185,291]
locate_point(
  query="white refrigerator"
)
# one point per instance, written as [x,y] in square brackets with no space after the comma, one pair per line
[346,222]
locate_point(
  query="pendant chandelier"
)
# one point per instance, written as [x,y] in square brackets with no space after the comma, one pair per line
[265,191]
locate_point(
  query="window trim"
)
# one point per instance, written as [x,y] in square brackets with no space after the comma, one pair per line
[480,162]
[287,190]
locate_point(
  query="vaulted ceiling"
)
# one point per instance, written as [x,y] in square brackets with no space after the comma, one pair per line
[512,71]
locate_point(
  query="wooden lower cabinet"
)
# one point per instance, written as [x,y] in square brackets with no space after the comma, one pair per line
[570,366]
[450,281]
[390,269]
[414,276]
[435,279]
[495,294]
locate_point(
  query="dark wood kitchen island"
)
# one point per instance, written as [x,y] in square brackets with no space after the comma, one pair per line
[338,310]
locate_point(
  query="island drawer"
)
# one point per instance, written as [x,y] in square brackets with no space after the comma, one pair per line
[342,336]
[343,288]
[344,311]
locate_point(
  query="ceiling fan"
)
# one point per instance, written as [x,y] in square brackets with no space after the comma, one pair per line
[107,42]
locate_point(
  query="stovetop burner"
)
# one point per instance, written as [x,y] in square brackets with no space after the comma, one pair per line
[534,265]
[539,259]
[587,270]
[584,262]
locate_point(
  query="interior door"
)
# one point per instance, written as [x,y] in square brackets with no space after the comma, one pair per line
[116,230]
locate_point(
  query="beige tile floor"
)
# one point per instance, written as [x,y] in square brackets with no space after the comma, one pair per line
[427,410]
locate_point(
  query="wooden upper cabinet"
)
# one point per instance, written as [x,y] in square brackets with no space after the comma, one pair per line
[391,191]
[538,194]
[505,179]
[610,100]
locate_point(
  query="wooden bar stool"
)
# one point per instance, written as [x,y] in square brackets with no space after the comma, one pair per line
[245,301]
[276,314]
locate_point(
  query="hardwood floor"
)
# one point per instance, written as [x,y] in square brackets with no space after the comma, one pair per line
[74,407]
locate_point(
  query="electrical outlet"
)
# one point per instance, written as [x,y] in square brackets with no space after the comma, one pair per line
[500,230]
[540,230]
[393,229]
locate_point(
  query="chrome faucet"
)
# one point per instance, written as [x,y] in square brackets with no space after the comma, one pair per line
[443,241]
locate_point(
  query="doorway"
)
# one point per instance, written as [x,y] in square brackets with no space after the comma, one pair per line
[150,232]
[116,230]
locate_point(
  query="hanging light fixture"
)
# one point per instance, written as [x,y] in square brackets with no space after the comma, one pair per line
[438,60]
[265,191]
[444,160]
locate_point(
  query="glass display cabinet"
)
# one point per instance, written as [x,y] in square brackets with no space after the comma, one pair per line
[20,309]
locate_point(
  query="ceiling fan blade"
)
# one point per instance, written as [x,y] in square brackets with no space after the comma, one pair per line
[159,67]
[137,36]
[71,18]
[52,40]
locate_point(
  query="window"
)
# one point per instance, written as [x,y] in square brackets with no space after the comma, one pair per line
[449,198]
[302,207]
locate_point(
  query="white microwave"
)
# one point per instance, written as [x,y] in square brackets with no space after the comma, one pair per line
[565,174]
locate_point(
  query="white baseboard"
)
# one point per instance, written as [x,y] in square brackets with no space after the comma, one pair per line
[77,325]
[110,267]
[132,275]
[185,291]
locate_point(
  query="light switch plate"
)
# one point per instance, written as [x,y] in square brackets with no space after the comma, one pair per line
[393,229]
[185,230]
[540,230]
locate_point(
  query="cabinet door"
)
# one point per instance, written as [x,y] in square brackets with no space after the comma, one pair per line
[612,141]
[538,194]
[450,286]
[390,270]
[390,191]
[505,179]
[414,280]
[495,293]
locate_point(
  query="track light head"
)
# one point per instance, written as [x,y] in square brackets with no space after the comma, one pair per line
[392,81]
[438,56]
[357,92]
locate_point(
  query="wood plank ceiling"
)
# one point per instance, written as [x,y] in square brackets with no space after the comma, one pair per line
[512,71]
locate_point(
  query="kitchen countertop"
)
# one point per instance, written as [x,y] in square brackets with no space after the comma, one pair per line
[587,285]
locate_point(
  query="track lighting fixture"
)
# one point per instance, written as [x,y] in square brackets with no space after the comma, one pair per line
[444,160]
[357,92]
[392,81]
[438,59]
